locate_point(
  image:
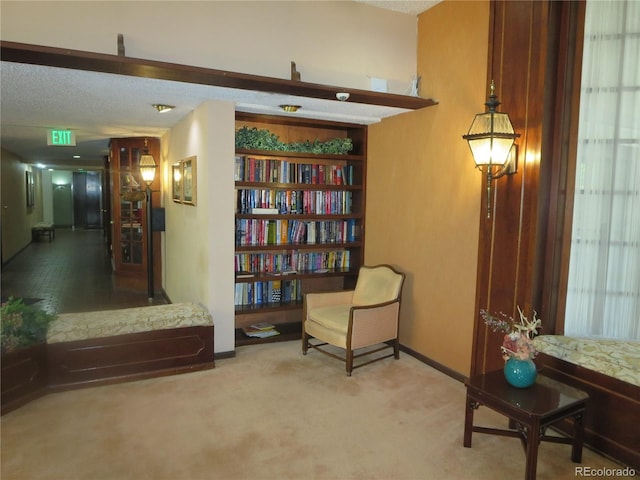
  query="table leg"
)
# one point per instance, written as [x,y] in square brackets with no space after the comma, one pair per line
[533,441]
[578,438]
[470,406]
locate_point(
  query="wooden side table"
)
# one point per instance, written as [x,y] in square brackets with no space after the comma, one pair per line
[530,412]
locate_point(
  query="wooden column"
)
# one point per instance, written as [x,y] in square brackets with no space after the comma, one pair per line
[527,46]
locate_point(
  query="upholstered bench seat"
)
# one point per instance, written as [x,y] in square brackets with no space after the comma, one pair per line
[68,327]
[615,358]
[128,344]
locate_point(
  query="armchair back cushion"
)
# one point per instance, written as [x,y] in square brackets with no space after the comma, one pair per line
[377,285]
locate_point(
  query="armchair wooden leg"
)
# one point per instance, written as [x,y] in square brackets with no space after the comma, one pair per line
[349,361]
[305,342]
[396,348]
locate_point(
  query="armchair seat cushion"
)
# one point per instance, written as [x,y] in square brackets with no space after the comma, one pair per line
[333,317]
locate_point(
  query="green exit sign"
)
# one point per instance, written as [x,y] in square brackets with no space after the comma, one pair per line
[66,138]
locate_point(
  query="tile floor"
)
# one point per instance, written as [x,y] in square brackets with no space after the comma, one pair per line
[72,273]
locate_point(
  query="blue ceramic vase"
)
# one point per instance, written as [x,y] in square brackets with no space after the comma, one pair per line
[520,373]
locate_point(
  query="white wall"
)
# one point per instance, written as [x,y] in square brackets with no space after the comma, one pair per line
[340,43]
[199,240]
[16,218]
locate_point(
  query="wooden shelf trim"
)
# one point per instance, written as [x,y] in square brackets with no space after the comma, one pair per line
[306,157]
[266,277]
[137,67]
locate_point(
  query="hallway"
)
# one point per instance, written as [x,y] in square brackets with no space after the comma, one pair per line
[70,274]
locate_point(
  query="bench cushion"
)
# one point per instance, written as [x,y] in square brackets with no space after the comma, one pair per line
[43,226]
[69,327]
[615,358]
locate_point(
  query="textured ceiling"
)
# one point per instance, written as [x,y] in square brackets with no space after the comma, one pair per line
[100,106]
[413,7]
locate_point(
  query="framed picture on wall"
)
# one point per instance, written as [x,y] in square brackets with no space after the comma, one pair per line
[176,185]
[31,195]
[189,180]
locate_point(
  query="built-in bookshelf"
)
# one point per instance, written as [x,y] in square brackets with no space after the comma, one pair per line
[299,217]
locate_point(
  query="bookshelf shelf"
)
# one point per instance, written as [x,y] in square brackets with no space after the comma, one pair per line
[288,331]
[296,212]
[268,277]
[301,156]
[296,186]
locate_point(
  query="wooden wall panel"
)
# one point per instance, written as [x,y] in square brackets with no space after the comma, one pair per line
[509,240]
[534,56]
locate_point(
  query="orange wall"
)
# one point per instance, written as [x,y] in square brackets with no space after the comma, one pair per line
[423,193]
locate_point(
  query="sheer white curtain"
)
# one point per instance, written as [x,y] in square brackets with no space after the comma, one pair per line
[603,291]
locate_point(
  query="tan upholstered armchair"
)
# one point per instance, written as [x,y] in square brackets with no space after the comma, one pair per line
[354,319]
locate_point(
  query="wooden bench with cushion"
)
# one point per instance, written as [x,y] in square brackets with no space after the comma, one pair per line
[109,346]
[43,228]
[609,371]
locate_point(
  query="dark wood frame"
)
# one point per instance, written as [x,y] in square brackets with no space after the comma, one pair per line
[135,356]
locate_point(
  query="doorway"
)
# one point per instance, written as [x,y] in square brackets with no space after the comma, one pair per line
[87,200]
[62,211]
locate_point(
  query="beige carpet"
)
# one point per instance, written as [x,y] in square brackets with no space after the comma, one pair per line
[270,413]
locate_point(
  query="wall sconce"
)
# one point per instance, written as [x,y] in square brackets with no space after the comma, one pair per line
[148,172]
[491,138]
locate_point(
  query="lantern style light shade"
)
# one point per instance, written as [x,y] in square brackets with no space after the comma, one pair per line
[490,138]
[147,167]
[148,172]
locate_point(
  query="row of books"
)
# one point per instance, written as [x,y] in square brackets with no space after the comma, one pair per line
[250,169]
[258,232]
[265,293]
[247,264]
[295,201]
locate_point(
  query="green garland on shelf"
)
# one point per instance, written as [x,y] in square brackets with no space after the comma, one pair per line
[256,139]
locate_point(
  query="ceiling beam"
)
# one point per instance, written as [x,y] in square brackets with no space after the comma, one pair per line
[136,67]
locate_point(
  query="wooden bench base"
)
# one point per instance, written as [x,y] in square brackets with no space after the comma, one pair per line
[134,356]
[39,230]
[24,376]
[613,409]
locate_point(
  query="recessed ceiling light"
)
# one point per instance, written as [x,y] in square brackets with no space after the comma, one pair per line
[76,156]
[290,108]
[162,108]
